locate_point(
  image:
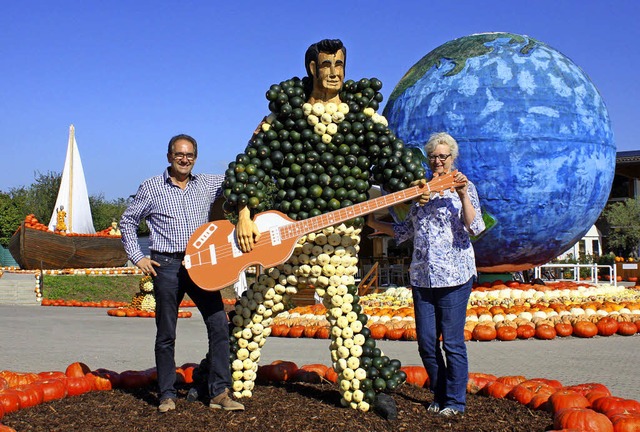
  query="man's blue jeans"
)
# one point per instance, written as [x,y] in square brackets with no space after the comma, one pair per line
[442,311]
[170,285]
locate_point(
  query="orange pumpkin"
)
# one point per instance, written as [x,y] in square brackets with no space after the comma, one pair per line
[525,391]
[77,369]
[410,334]
[612,405]
[525,331]
[626,328]
[278,371]
[310,331]
[30,395]
[496,389]
[394,333]
[306,376]
[15,379]
[585,329]
[378,331]
[567,399]
[564,329]
[78,385]
[582,419]
[296,331]
[322,333]
[99,383]
[477,381]
[53,389]
[318,368]
[483,332]
[607,326]
[9,401]
[512,380]
[331,375]
[626,422]
[545,332]
[585,388]
[506,333]
[416,375]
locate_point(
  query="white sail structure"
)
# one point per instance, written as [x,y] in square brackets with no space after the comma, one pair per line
[73,198]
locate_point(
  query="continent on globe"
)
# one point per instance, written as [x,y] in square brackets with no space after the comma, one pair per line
[534,134]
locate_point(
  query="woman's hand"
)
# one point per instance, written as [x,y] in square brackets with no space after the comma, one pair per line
[463,186]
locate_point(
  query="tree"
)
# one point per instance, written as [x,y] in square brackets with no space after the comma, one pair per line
[105,212]
[39,198]
[624,226]
[10,218]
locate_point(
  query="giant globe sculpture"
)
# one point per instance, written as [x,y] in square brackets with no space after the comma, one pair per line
[534,135]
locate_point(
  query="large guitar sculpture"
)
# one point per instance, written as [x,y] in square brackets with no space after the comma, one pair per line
[214,259]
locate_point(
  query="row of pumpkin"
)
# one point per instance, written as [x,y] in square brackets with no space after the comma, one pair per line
[605,326]
[497,311]
[585,407]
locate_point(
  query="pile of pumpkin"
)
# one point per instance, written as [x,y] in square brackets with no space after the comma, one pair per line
[498,311]
[585,407]
[20,390]
[32,222]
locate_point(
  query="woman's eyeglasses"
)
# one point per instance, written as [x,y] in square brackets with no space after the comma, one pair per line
[441,157]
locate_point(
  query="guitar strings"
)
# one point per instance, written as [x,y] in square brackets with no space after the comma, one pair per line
[299,228]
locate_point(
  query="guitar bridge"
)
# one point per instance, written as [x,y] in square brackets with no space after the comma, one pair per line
[235,250]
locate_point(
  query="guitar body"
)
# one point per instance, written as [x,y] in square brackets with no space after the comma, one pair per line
[213,257]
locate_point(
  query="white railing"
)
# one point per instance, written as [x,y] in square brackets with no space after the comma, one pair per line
[575,271]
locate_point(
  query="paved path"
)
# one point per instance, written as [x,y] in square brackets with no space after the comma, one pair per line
[36,338]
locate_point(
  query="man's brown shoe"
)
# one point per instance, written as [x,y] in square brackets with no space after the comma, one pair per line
[223,401]
[166,405]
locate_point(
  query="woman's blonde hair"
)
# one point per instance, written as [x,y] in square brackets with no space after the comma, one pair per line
[441,138]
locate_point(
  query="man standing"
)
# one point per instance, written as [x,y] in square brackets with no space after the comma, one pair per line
[174,204]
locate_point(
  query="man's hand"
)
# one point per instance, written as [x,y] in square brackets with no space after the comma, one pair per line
[426,196]
[247,232]
[147,266]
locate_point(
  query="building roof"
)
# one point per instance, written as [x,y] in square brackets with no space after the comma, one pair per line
[624,157]
[628,163]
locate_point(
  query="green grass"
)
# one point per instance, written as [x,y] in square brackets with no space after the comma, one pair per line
[91,288]
[97,288]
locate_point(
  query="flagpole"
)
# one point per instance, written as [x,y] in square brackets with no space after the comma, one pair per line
[72,138]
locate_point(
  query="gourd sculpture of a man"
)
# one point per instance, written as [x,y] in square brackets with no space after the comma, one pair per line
[317,151]
[61,217]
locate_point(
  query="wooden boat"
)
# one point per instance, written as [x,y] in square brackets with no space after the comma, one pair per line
[70,240]
[36,249]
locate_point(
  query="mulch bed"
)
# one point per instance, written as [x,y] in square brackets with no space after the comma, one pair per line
[286,407]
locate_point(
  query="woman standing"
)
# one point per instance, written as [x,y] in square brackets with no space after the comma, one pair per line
[442,273]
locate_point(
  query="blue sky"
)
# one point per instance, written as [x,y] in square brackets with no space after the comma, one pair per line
[131,74]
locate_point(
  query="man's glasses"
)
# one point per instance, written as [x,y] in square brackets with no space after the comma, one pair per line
[442,157]
[189,156]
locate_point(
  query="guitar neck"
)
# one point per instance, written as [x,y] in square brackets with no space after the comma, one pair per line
[300,228]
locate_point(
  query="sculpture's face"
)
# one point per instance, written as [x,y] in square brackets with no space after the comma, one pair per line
[329,72]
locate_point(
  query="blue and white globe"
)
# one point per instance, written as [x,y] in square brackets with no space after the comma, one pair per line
[534,134]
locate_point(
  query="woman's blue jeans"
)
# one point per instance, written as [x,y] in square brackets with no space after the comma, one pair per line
[170,285]
[442,312]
